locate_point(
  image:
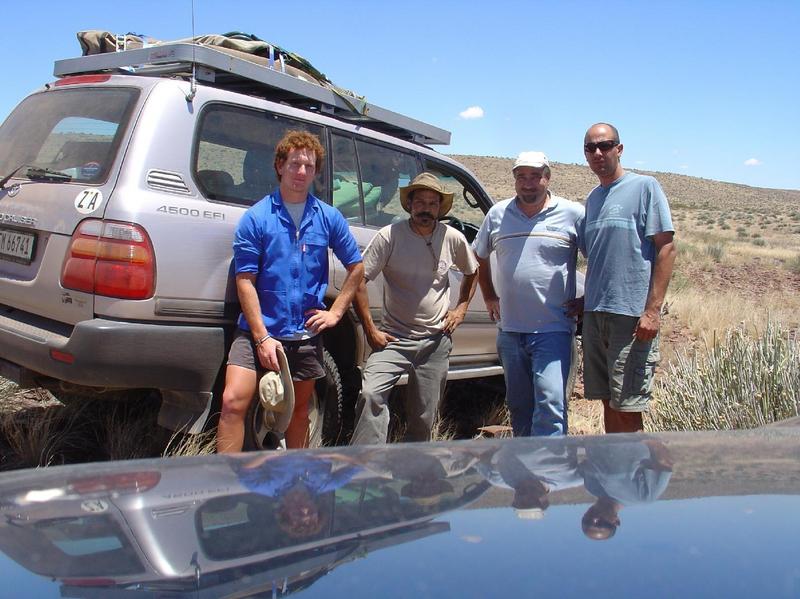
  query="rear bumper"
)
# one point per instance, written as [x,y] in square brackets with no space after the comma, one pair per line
[107,353]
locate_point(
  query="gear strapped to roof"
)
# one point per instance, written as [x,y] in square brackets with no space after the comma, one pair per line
[254,75]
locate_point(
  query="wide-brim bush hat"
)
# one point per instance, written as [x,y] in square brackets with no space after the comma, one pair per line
[427,181]
[276,394]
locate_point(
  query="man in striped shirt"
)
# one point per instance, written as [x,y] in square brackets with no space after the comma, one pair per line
[534,239]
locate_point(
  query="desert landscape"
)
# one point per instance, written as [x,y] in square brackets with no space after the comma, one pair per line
[736,289]
[738,246]
[730,355]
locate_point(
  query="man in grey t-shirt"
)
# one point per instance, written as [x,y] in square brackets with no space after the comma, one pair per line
[415,257]
[627,237]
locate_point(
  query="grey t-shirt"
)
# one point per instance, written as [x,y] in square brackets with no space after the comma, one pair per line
[296,211]
[617,239]
[416,276]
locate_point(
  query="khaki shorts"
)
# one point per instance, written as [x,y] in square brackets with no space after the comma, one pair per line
[617,367]
[304,357]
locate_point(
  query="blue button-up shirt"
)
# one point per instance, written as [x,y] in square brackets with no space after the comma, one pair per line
[291,263]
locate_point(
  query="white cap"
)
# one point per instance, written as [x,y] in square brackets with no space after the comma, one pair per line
[532,159]
[532,513]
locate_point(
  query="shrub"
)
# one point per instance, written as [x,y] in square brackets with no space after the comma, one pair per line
[742,381]
[716,251]
[794,264]
[759,242]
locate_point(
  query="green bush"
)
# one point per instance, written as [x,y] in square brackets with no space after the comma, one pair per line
[742,381]
[759,242]
[716,251]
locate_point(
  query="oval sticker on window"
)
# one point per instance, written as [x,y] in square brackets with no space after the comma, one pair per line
[88,201]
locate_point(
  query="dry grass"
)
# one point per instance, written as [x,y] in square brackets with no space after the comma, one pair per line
[585,417]
[42,436]
[181,444]
[709,315]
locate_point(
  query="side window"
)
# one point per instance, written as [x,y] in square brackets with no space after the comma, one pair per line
[235,151]
[345,185]
[383,171]
[470,204]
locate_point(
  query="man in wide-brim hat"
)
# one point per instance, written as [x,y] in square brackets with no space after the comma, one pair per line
[415,257]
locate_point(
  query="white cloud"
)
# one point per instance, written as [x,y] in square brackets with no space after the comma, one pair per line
[684,167]
[753,162]
[473,112]
[640,162]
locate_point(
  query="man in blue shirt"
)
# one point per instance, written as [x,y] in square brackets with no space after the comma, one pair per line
[534,238]
[627,237]
[281,260]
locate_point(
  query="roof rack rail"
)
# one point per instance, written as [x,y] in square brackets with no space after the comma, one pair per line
[222,69]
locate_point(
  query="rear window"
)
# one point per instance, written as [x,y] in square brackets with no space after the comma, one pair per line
[75,132]
[72,546]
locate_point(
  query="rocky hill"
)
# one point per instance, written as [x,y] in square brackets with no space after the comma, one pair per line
[574,182]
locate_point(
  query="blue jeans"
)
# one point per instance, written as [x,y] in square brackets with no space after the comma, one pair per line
[536,367]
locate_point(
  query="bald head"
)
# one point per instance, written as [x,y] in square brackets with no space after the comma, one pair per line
[602,149]
[609,130]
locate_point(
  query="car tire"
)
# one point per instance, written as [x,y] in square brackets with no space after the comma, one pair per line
[324,413]
[325,406]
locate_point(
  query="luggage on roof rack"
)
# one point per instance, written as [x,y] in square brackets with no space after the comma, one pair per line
[232,65]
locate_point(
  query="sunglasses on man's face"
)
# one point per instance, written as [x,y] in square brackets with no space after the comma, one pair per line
[604,146]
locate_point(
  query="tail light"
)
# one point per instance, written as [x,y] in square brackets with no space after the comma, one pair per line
[110,258]
[79,79]
[124,482]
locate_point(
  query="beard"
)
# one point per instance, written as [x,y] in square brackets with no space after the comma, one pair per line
[532,198]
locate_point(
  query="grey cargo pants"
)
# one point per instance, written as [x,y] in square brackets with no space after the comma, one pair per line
[426,361]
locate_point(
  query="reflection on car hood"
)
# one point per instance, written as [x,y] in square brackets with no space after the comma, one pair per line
[622,515]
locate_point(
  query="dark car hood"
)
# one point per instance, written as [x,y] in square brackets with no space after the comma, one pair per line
[700,514]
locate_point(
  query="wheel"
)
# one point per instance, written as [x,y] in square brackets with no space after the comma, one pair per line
[324,413]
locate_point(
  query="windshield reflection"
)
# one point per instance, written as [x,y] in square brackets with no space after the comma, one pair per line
[277,522]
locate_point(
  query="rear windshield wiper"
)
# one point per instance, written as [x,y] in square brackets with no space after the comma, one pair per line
[11,174]
[37,173]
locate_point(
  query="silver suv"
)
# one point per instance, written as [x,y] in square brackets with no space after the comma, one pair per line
[121,184]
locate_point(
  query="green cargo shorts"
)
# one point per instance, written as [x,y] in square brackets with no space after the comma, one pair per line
[617,367]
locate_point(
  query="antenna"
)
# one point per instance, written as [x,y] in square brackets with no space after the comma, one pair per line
[193,81]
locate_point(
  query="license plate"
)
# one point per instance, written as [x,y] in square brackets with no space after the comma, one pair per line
[17,245]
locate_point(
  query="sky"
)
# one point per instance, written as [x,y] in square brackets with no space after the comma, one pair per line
[703,88]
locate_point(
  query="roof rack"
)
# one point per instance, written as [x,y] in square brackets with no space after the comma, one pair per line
[221,69]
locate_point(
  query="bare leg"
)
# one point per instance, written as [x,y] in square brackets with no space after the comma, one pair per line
[297,434]
[240,387]
[621,422]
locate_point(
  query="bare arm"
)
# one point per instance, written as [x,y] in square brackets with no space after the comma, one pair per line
[376,338]
[487,288]
[320,320]
[251,308]
[456,316]
[650,320]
